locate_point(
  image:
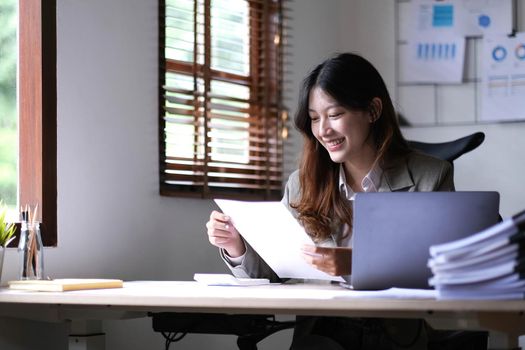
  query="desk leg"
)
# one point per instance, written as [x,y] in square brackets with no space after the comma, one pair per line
[500,341]
[504,330]
[86,335]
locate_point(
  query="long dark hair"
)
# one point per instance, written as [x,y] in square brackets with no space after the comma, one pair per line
[353,82]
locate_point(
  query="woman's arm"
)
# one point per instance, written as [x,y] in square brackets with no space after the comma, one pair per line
[238,255]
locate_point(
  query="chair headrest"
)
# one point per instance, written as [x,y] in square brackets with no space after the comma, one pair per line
[450,150]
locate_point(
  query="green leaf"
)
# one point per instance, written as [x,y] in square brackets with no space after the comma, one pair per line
[7,230]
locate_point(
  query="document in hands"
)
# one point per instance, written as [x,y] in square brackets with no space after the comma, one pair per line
[275,235]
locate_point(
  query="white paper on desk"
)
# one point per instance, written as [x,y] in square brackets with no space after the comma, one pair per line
[275,235]
[391,293]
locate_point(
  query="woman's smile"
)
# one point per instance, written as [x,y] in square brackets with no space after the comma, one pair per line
[334,145]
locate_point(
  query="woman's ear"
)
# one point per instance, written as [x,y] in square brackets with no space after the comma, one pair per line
[376,107]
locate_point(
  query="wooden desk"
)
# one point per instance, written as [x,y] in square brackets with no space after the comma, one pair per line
[506,318]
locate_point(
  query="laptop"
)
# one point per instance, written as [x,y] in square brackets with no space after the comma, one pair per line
[392,233]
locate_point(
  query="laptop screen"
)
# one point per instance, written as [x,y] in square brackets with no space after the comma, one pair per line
[392,232]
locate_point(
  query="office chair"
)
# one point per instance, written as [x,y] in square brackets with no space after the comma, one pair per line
[450,150]
[249,329]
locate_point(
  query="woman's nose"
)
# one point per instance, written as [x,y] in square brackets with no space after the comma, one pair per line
[324,126]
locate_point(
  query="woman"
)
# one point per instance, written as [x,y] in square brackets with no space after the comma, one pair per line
[352,143]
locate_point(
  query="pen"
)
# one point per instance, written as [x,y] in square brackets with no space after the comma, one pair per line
[22,245]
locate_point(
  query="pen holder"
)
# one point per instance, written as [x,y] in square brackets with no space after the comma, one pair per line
[31,252]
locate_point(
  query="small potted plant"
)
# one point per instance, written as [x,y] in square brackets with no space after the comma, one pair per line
[7,231]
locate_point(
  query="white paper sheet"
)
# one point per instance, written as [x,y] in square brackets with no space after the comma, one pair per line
[432,59]
[224,279]
[275,235]
[503,79]
[391,293]
[461,17]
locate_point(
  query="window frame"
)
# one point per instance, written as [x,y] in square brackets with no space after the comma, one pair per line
[268,106]
[37,112]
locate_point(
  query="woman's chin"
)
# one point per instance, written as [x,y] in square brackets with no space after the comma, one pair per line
[336,158]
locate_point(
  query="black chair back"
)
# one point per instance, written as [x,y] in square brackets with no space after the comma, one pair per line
[450,150]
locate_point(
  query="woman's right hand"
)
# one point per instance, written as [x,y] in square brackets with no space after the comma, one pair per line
[222,234]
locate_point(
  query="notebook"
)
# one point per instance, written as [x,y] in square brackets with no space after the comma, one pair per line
[65,284]
[392,233]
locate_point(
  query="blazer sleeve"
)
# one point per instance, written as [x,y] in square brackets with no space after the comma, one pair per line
[252,266]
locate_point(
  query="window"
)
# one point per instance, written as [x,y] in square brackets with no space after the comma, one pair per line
[222,120]
[37,111]
[8,117]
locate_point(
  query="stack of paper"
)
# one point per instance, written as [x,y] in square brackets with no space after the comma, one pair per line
[487,265]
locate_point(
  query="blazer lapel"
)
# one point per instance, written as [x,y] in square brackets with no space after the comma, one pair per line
[396,177]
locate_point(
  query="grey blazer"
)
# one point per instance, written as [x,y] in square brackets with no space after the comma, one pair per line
[415,172]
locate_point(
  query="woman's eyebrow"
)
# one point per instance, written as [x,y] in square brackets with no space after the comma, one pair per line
[333,105]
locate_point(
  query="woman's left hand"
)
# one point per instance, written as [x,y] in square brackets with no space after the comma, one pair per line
[334,261]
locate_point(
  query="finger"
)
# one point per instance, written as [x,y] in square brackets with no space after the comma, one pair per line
[219,233]
[316,260]
[321,262]
[312,251]
[218,225]
[216,215]
[219,241]
[318,251]
[313,255]
[308,248]
[326,251]
[326,266]
[308,258]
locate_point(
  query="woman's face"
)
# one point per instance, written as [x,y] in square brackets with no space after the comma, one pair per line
[342,132]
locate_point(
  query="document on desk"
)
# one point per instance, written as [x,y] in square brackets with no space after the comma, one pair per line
[275,235]
[391,293]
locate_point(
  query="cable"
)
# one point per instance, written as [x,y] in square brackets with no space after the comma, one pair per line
[172,337]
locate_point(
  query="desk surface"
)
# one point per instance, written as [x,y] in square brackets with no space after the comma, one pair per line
[136,299]
[323,299]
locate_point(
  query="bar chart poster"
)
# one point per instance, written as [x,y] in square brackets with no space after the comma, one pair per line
[503,79]
[462,17]
[431,59]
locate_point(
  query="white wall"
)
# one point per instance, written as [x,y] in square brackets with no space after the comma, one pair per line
[111,220]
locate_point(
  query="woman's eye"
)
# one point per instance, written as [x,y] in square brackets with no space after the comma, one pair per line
[314,119]
[335,115]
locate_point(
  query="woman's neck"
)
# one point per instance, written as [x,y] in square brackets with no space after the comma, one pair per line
[358,167]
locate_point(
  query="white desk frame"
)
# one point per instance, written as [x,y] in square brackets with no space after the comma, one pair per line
[84,308]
